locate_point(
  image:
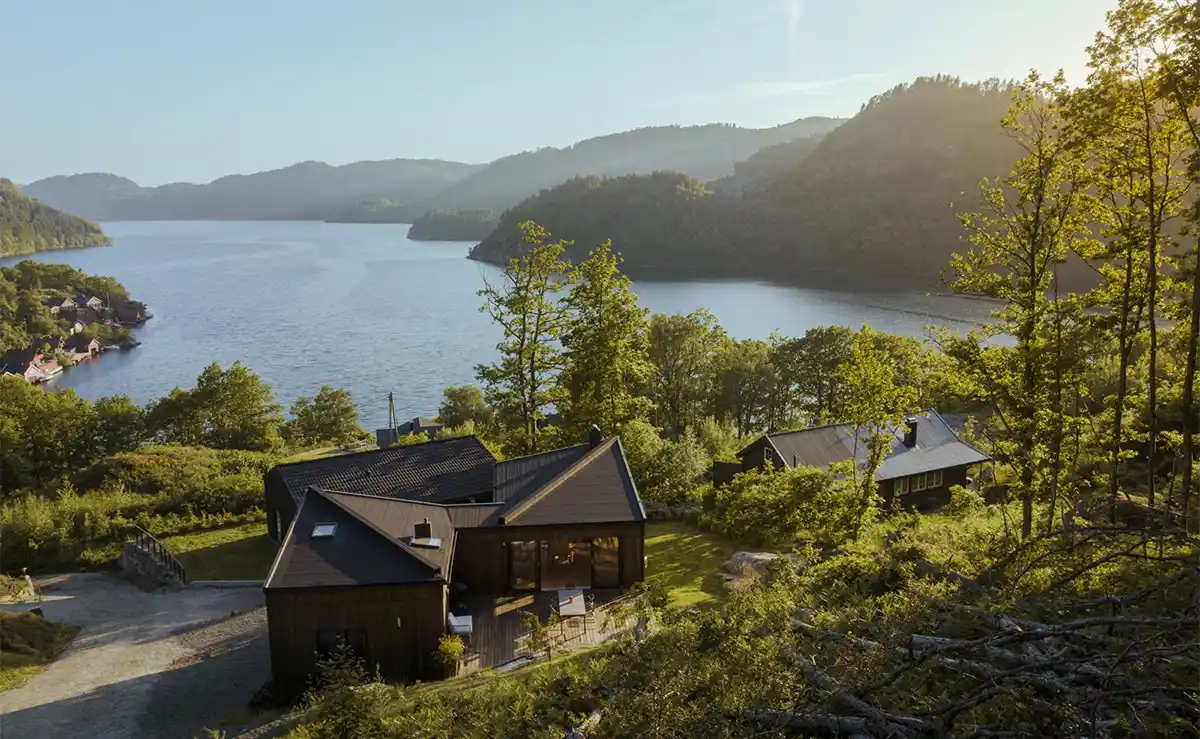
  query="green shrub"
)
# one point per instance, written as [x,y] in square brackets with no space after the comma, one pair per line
[964,501]
[165,490]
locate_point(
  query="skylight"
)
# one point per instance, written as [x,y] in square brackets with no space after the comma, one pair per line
[323,530]
[431,543]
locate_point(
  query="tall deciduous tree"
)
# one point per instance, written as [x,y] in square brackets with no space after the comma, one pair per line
[1028,225]
[1135,185]
[604,348]
[228,409]
[329,417]
[464,404]
[682,350]
[520,384]
[875,405]
[1179,66]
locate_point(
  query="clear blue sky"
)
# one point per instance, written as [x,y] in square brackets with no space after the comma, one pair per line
[172,90]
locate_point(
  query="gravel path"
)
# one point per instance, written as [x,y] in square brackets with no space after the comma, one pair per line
[146,665]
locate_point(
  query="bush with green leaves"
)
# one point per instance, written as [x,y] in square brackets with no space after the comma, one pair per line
[776,507]
[165,490]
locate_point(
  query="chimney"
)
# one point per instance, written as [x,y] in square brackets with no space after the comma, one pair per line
[423,530]
[910,432]
[594,436]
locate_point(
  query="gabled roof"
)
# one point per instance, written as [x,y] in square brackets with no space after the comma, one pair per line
[435,471]
[359,552]
[937,447]
[596,488]
[17,360]
[565,486]
[78,343]
[514,479]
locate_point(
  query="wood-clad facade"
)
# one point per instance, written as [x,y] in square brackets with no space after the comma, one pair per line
[379,562]
[484,558]
[395,628]
[931,497]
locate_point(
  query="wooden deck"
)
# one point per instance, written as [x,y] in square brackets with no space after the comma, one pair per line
[499,636]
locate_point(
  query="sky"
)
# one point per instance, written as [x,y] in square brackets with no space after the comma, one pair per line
[167,90]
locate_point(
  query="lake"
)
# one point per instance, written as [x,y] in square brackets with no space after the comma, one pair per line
[361,307]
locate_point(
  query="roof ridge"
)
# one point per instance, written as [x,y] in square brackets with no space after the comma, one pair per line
[391,499]
[389,449]
[845,423]
[539,454]
[558,479]
[411,551]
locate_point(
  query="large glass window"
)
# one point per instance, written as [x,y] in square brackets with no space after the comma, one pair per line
[606,562]
[566,564]
[523,565]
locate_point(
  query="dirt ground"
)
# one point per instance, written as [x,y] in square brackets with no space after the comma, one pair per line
[147,665]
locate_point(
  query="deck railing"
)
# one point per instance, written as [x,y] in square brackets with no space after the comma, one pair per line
[148,543]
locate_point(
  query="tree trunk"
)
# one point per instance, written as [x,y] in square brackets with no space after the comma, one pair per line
[1189,402]
[1155,218]
[1125,347]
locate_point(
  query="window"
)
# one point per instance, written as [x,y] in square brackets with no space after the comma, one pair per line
[606,562]
[901,485]
[328,640]
[926,480]
[324,530]
[767,454]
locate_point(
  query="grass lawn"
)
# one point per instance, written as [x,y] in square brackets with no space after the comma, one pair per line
[688,559]
[234,553]
[27,644]
[325,451]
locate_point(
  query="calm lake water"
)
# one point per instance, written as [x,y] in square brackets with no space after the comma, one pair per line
[361,307]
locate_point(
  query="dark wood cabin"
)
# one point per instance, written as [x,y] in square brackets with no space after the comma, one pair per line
[926,458]
[377,568]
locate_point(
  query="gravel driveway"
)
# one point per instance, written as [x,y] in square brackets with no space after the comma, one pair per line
[147,665]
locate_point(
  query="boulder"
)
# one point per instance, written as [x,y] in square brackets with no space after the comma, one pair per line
[759,562]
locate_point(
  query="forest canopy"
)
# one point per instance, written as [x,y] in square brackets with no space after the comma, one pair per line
[27,225]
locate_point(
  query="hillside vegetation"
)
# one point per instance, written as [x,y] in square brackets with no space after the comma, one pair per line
[868,204]
[454,225]
[304,191]
[378,210]
[662,224]
[27,225]
[703,152]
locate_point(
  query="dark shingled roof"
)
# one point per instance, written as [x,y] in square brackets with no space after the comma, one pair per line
[577,484]
[78,343]
[435,471]
[937,448]
[514,479]
[358,553]
[597,488]
[16,360]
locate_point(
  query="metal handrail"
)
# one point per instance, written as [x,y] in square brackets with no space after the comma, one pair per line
[147,542]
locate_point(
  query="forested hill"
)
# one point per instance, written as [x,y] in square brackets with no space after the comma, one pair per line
[664,224]
[304,191]
[454,225]
[27,225]
[874,198]
[868,204]
[702,152]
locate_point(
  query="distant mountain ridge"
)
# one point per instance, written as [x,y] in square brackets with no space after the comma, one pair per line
[303,191]
[319,191]
[703,152]
[27,226]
